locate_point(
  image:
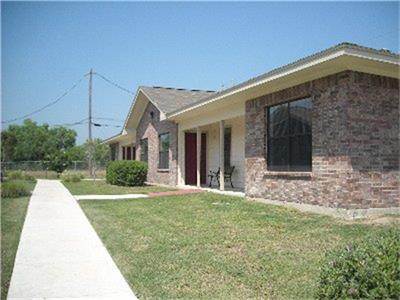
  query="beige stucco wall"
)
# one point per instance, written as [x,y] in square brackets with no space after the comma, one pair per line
[237,149]
[127,142]
[208,122]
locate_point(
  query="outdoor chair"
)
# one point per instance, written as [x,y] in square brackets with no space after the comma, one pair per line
[227,175]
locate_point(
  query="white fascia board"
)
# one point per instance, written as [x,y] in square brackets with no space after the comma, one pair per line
[284,73]
[349,51]
[372,56]
[131,109]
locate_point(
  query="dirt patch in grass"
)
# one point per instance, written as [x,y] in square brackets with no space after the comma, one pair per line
[380,220]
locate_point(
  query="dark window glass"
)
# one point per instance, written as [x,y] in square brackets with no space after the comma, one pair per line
[128,153]
[289,136]
[163,158]
[123,153]
[144,150]
[227,147]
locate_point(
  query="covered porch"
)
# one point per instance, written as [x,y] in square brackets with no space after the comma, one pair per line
[211,151]
[122,146]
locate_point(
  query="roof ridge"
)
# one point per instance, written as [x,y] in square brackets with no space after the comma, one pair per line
[177,89]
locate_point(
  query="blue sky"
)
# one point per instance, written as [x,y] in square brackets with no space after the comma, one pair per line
[47,47]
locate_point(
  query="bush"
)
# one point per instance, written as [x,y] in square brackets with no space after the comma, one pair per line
[368,269]
[19,175]
[72,177]
[126,172]
[14,189]
[58,161]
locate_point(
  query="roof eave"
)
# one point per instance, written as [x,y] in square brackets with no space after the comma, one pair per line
[319,58]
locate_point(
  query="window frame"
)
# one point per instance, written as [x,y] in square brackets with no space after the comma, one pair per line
[289,167]
[142,154]
[163,152]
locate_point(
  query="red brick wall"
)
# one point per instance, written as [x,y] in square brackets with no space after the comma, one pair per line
[151,128]
[355,144]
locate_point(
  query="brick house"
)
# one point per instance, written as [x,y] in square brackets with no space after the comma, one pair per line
[321,133]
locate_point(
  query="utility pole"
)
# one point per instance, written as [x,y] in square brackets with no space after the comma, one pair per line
[90,124]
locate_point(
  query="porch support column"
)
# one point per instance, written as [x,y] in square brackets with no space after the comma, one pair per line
[221,155]
[181,157]
[198,155]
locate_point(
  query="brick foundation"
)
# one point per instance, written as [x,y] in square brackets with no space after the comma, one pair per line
[355,144]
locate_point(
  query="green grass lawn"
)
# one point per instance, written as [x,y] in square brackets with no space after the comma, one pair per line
[214,246]
[13,211]
[101,187]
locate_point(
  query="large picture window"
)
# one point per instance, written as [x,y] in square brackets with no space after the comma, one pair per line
[144,150]
[163,146]
[289,136]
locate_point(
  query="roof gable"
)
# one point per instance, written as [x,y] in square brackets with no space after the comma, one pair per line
[168,100]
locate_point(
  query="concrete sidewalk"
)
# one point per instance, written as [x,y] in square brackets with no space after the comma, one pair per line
[60,254]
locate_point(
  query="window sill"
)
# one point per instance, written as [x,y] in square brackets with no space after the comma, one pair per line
[291,175]
[163,170]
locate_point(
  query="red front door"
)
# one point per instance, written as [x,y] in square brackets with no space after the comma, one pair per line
[191,159]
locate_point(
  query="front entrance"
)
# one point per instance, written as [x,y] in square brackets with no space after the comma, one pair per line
[191,158]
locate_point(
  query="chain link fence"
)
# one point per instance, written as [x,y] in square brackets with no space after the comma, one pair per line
[43,165]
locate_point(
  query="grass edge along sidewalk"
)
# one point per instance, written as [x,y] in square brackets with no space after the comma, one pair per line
[101,187]
[13,213]
[214,246]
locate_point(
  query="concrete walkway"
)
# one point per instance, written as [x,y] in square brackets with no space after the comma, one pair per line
[60,254]
[136,196]
[110,197]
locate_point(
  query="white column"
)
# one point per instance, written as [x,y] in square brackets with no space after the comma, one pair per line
[221,155]
[119,152]
[181,157]
[198,154]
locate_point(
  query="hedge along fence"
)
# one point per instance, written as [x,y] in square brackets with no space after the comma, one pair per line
[126,172]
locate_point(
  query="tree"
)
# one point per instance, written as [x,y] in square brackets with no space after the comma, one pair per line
[100,152]
[30,141]
[77,153]
[61,138]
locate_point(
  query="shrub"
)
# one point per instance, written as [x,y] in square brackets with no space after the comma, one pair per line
[72,177]
[14,189]
[58,161]
[19,175]
[367,269]
[126,172]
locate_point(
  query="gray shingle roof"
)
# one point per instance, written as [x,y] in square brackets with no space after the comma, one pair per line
[172,99]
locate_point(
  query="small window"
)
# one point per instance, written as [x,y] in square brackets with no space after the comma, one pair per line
[227,147]
[163,146]
[289,136]
[144,150]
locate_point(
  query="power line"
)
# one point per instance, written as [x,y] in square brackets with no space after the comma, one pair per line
[47,105]
[109,119]
[81,122]
[105,125]
[114,83]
